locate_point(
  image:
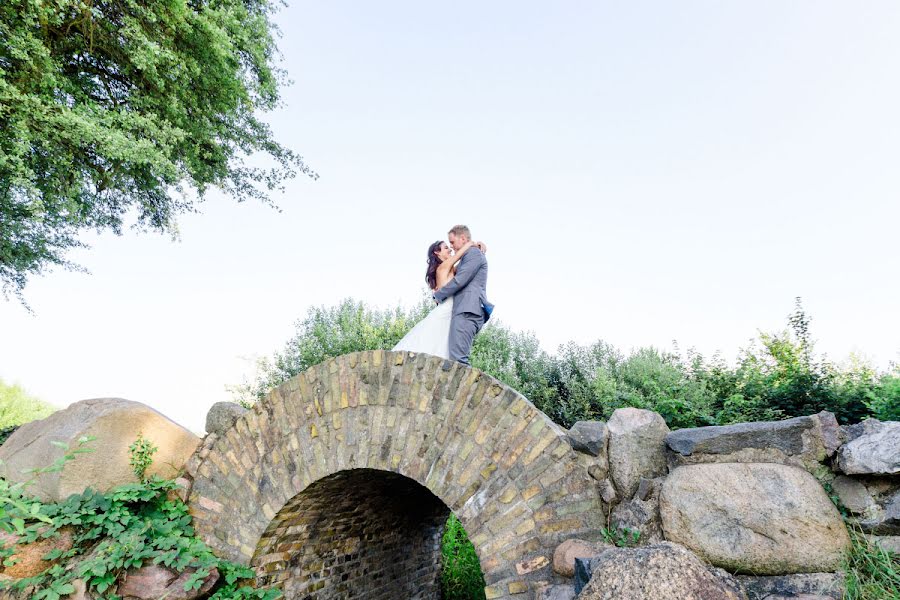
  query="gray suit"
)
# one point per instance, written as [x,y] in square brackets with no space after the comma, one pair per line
[470,305]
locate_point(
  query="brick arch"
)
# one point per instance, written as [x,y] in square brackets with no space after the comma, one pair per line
[474,444]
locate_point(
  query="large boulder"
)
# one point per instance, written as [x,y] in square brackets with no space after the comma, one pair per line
[222,416]
[824,586]
[762,519]
[663,570]
[874,449]
[801,441]
[637,448]
[115,423]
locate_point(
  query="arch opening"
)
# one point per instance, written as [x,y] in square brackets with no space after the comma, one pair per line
[359,533]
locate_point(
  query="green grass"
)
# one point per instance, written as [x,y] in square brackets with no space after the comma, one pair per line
[461,577]
[872,573]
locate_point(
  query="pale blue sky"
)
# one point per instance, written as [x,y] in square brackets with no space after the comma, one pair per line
[642,172]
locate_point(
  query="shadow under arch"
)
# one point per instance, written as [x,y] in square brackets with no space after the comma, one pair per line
[361,533]
[506,470]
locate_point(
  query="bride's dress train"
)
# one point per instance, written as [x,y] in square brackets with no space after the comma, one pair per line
[431,335]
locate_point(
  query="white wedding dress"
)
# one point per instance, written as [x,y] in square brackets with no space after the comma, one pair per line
[431,335]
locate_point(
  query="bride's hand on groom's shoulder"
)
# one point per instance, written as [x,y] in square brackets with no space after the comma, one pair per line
[481,246]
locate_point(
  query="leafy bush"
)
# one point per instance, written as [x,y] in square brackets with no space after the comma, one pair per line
[130,526]
[461,577]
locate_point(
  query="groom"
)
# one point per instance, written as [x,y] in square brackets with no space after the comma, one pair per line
[470,306]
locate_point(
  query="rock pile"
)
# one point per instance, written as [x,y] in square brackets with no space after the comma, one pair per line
[749,498]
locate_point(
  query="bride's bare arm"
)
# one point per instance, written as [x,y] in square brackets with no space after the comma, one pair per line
[448,264]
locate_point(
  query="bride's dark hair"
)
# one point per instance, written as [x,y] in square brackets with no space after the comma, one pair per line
[433,263]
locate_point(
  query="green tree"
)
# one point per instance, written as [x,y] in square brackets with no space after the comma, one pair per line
[123,108]
[18,407]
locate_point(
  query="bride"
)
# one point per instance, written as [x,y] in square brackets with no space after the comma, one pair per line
[431,335]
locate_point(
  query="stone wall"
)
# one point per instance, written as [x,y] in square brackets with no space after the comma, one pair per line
[755,499]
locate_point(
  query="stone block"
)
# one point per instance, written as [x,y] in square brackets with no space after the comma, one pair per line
[801,441]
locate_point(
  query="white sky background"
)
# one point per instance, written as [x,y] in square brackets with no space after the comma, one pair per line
[642,172]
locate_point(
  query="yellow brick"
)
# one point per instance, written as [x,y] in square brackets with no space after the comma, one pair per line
[486,472]
[525,527]
[345,401]
[518,587]
[508,495]
[531,492]
[313,431]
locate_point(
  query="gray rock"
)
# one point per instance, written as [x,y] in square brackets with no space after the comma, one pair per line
[890,543]
[589,437]
[853,495]
[764,519]
[115,423]
[599,472]
[607,491]
[636,448]
[641,513]
[851,432]
[801,441]
[875,451]
[222,417]
[557,592]
[663,570]
[884,519]
[818,585]
[583,568]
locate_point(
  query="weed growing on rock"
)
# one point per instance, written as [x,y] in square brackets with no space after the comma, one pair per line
[872,573]
[622,537]
[140,454]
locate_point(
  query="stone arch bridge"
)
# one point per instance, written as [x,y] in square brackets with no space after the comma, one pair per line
[338,483]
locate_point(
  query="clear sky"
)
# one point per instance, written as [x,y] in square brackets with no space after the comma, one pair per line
[642,172]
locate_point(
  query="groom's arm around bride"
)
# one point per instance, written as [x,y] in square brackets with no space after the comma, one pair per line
[468,289]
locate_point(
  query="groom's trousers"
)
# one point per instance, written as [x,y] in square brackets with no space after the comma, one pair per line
[463,327]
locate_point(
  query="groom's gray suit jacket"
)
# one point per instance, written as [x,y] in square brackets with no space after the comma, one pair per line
[469,286]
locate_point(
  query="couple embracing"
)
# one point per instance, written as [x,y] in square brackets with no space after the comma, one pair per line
[458,281]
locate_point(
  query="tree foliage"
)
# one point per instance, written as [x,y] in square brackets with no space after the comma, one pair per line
[113,107]
[17,406]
